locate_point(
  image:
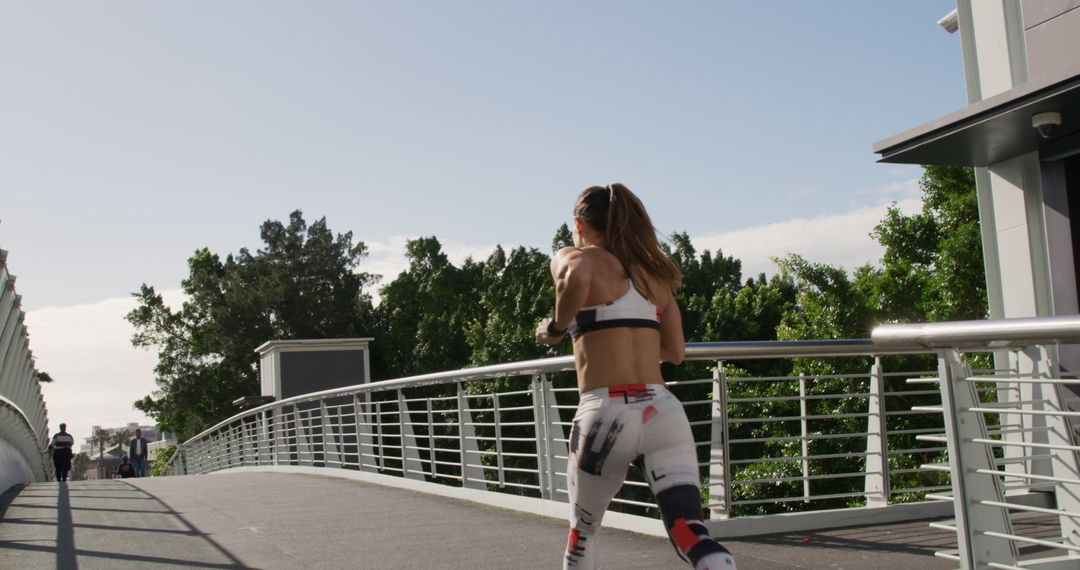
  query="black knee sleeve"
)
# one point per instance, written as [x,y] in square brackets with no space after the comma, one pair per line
[680,508]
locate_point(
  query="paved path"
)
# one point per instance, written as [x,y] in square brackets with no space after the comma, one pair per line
[278,520]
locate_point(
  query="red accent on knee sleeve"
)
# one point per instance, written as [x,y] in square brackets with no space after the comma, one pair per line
[572,544]
[685,538]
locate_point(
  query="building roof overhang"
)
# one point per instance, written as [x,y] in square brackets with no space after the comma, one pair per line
[995,129]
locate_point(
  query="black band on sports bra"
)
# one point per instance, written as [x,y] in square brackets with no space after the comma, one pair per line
[613,323]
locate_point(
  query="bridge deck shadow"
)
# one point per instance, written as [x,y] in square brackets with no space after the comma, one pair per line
[283,520]
[100,524]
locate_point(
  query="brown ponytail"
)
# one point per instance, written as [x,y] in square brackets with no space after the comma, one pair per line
[616,212]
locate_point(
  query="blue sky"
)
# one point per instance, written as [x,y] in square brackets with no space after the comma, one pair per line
[132,133]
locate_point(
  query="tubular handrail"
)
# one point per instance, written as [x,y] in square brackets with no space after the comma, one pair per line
[884,340]
[5,402]
[29,450]
[992,334]
[20,390]
[695,351]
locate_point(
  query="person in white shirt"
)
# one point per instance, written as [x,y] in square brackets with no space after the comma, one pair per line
[138,453]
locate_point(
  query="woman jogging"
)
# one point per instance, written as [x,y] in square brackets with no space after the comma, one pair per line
[614,295]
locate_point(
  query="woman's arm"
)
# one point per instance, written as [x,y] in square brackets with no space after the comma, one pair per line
[572,272]
[672,341]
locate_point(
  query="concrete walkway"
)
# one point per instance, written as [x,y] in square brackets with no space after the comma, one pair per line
[278,520]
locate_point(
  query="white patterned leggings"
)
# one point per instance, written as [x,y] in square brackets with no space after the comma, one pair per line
[644,425]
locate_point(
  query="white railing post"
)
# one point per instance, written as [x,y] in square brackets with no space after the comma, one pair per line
[365,439]
[804,439]
[1008,394]
[972,490]
[304,436]
[472,476]
[433,465]
[543,439]
[316,430]
[876,485]
[379,444]
[218,459]
[408,442]
[1059,436]
[279,432]
[499,464]
[265,445]
[719,451]
[330,441]
[556,447]
[1024,428]
[245,432]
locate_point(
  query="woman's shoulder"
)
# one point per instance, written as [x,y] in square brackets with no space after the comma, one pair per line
[653,287]
[579,257]
[568,251]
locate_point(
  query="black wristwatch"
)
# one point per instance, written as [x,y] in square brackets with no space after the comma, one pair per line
[554,332]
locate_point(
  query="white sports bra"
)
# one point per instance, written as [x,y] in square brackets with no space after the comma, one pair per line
[631,310]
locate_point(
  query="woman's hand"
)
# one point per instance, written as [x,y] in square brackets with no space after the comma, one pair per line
[543,333]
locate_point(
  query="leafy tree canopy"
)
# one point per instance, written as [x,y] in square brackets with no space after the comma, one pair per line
[933,268]
[302,284]
[436,316]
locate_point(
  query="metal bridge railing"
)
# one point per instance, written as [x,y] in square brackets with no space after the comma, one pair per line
[1013,460]
[815,450]
[23,418]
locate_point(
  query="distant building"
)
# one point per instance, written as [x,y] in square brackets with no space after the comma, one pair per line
[149,432]
[103,466]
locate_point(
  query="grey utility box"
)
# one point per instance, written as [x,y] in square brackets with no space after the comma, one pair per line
[290,368]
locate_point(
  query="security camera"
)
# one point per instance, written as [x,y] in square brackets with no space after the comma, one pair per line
[1046,123]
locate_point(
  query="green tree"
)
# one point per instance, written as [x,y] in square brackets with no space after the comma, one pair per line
[517,291]
[303,284]
[100,438]
[932,269]
[80,464]
[120,438]
[750,313]
[828,304]
[159,465]
[704,277]
[563,238]
[424,312]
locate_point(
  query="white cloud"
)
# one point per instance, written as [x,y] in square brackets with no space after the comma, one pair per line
[97,373]
[840,239]
[900,189]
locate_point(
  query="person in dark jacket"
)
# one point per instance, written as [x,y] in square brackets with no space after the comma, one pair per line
[126,469]
[60,446]
[138,453]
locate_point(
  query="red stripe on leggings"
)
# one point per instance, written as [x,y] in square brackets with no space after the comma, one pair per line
[684,537]
[571,545]
[625,389]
